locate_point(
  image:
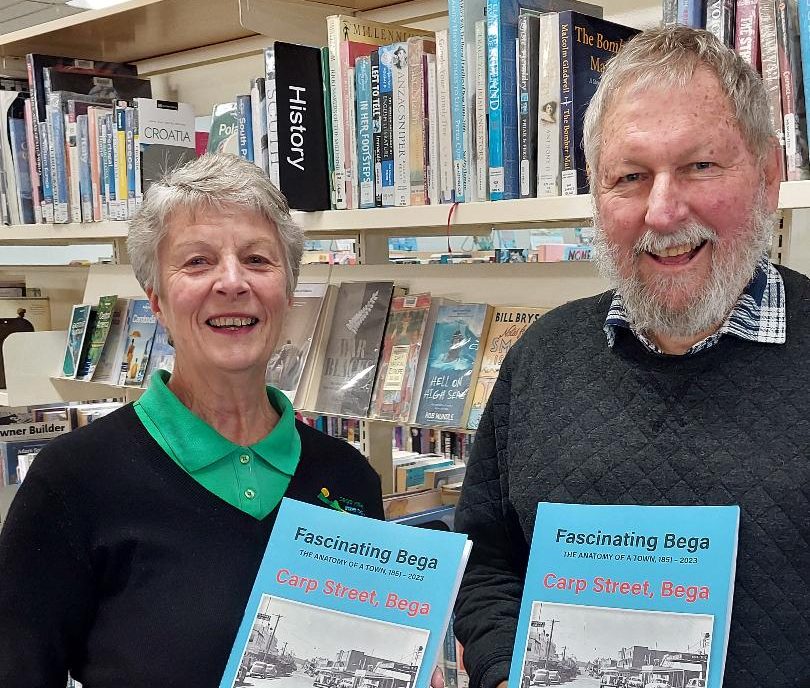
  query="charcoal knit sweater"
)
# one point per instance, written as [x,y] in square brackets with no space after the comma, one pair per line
[572,420]
[117,565]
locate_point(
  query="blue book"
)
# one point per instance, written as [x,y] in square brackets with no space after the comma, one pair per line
[140,336]
[349,600]
[365,150]
[58,160]
[586,44]
[804,34]
[109,152]
[451,367]
[462,15]
[640,594]
[244,120]
[19,152]
[690,13]
[385,57]
[162,355]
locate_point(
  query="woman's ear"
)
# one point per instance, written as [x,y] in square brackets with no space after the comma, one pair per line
[154,303]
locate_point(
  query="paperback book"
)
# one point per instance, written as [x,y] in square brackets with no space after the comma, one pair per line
[351,600]
[162,354]
[353,348]
[77,330]
[97,337]
[140,335]
[165,137]
[603,581]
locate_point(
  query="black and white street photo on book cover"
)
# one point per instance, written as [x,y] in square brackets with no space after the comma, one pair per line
[600,647]
[296,645]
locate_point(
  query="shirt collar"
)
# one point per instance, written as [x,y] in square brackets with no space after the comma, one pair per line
[197,445]
[758,316]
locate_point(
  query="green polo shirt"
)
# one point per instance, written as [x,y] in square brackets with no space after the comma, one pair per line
[252,478]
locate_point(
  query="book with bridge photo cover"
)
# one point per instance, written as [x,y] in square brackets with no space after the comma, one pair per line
[632,596]
[345,601]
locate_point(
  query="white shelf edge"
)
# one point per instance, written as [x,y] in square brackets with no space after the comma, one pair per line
[76,231]
[794,195]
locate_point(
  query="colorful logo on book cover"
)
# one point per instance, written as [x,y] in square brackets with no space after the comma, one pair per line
[345,506]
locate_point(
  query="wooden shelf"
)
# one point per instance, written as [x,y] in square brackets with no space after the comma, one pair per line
[74,233]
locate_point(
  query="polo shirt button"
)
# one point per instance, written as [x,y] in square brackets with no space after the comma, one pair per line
[250,494]
[245,458]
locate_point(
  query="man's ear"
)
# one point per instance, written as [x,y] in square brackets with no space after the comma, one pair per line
[772,172]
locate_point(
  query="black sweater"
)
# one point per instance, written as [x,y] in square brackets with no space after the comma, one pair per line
[571,420]
[118,566]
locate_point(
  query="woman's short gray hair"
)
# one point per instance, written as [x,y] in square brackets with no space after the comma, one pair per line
[217,181]
[669,57]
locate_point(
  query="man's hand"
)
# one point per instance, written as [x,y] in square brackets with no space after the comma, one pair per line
[437,680]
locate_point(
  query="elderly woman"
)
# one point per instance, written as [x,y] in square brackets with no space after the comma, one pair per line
[131,547]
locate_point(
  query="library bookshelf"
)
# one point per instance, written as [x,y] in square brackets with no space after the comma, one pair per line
[205,51]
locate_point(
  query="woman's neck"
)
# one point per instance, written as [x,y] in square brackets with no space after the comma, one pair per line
[235,406]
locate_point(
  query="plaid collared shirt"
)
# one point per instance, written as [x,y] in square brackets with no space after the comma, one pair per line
[758,316]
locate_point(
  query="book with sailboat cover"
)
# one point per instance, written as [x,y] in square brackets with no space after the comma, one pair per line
[605,582]
[347,599]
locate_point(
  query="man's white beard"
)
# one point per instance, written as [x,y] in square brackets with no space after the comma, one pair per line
[733,263]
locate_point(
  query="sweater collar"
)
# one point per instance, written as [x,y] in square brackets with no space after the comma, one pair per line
[758,316]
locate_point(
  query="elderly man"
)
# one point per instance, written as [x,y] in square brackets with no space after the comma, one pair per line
[686,385]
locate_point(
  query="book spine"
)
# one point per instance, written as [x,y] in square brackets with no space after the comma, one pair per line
[793,103]
[58,160]
[137,154]
[770,71]
[458,102]
[244,120]
[365,154]
[327,109]
[129,124]
[85,186]
[568,169]
[495,102]
[670,12]
[338,96]
[37,119]
[445,128]
[121,163]
[746,31]
[272,117]
[416,120]
[386,126]
[690,14]
[720,20]
[376,125]
[18,146]
[528,57]
[804,33]
[72,155]
[480,167]
[32,162]
[110,186]
[350,155]
[258,112]
[402,163]
[432,118]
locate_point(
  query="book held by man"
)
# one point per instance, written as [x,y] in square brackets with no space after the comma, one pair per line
[606,582]
[348,600]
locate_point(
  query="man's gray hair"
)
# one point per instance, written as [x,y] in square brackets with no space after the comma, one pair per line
[215,181]
[669,57]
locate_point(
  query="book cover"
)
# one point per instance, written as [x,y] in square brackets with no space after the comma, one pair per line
[350,600]
[18,144]
[454,352]
[402,344]
[288,361]
[642,593]
[353,348]
[224,129]
[97,337]
[349,38]
[108,369]
[77,330]
[165,137]
[365,143]
[162,354]
[586,44]
[258,106]
[301,145]
[506,327]
[140,334]
[792,85]
[12,451]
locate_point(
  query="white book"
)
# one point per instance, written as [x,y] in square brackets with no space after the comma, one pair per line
[272,116]
[548,107]
[402,143]
[109,365]
[351,158]
[338,97]
[434,164]
[481,137]
[72,136]
[444,117]
[258,107]
[8,191]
